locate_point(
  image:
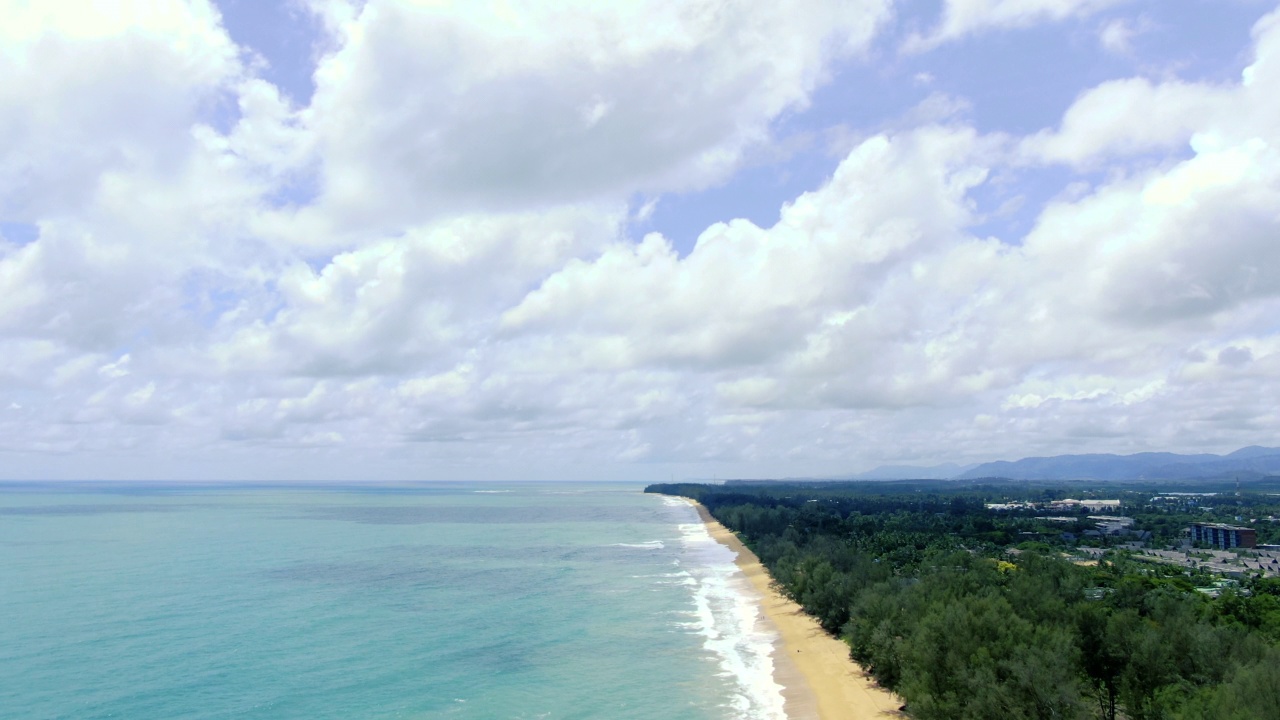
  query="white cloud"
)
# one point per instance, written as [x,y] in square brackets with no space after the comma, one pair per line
[487,106]
[1116,35]
[1134,116]
[90,88]
[961,18]
[849,303]
[415,301]
[759,292]
[1131,117]
[463,292]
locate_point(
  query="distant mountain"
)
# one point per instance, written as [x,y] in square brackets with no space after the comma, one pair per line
[1258,464]
[913,472]
[1252,451]
[1253,460]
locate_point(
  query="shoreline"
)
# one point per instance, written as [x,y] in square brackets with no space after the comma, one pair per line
[819,679]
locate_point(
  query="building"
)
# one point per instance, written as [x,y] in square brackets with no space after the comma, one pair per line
[1090,505]
[1223,536]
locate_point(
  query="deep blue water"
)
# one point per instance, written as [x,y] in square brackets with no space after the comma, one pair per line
[448,600]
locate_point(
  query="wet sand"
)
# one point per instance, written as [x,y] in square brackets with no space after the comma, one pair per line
[818,677]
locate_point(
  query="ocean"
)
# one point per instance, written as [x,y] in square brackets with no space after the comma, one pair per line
[525,600]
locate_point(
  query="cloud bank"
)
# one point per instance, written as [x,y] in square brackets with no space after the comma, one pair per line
[433,269]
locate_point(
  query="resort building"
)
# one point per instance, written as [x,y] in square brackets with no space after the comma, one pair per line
[1223,536]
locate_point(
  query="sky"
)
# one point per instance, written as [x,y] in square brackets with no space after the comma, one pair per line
[433,240]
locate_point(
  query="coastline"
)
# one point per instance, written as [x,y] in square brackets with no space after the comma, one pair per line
[819,679]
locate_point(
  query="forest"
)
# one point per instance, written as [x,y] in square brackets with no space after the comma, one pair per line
[966,613]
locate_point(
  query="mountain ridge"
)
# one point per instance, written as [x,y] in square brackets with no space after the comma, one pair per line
[1138,466]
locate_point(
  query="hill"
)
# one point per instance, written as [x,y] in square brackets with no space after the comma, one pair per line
[1251,461]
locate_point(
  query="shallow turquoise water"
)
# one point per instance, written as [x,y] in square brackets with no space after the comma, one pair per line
[538,601]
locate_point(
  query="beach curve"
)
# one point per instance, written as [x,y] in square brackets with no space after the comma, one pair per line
[818,677]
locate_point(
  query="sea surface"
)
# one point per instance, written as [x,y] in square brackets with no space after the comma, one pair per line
[143,601]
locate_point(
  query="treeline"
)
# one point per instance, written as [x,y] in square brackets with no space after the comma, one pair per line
[937,608]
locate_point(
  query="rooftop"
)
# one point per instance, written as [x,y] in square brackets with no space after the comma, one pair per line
[1220,526]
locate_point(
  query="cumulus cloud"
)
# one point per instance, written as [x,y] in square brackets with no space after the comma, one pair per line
[850,303]
[759,292]
[459,293]
[414,301]
[493,106]
[91,88]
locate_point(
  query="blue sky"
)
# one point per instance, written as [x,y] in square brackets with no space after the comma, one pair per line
[328,239]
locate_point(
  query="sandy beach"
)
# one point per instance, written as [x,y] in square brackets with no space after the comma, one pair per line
[819,678]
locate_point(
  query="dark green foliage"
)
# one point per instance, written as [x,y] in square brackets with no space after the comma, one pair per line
[923,584]
[1251,693]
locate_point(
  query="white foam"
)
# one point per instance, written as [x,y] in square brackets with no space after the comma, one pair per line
[727,614]
[647,545]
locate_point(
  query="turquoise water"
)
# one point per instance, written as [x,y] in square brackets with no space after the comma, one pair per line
[441,601]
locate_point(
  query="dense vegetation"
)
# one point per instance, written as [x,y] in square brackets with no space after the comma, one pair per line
[969,614]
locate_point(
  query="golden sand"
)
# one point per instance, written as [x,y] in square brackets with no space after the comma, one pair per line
[818,677]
